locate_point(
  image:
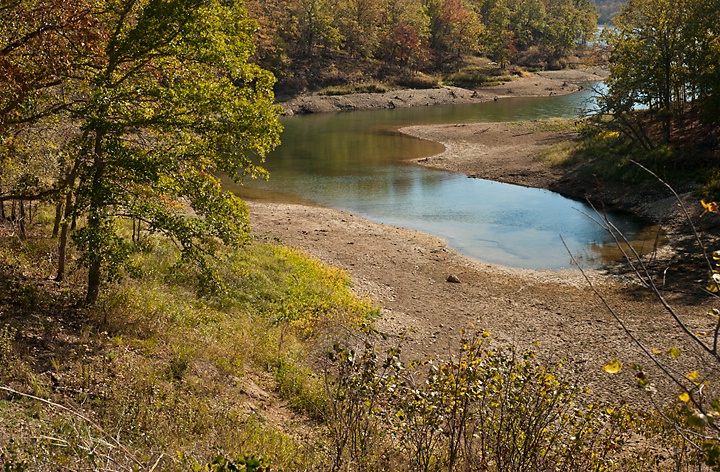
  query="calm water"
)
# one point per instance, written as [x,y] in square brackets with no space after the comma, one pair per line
[353,162]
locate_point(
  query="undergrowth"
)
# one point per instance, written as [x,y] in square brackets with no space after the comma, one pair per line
[603,154]
[158,375]
[168,373]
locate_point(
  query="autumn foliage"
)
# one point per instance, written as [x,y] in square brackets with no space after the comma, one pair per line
[304,40]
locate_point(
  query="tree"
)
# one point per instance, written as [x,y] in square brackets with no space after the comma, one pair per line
[498,35]
[311,26]
[270,48]
[359,21]
[164,103]
[702,43]
[40,43]
[527,21]
[171,101]
[404,35]
[454,29]
[569,24]
[664,58]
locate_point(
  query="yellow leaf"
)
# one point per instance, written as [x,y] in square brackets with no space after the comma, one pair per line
[613,367]
[674,352]
[486,334]
[692,375]
[656,350]
[711,207]
[684,397]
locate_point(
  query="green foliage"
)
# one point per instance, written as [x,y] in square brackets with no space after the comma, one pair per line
[162,102]
[306,40]
[373,87]
[663,60]
[244,464]
[477,77]
[709,184]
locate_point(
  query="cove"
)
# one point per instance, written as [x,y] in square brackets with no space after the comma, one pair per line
[353,161]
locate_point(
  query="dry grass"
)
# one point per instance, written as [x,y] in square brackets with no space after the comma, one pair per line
[156,375]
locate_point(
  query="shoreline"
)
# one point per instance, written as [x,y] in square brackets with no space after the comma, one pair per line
[407,272]
[538,84]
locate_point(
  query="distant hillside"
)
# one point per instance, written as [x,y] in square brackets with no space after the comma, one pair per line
[608,9]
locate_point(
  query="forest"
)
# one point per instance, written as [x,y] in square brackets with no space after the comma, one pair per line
[607,9]
[662,96]
[144,325]
[309,44]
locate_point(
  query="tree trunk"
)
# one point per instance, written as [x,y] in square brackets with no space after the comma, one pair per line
[95,220]
[93,288]
[22,219]
[62,244]
[58,218]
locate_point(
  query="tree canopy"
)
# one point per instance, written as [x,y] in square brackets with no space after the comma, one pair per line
[414,35]
[665,59]
[141,104]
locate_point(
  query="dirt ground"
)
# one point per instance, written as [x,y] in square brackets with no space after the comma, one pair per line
[555,313]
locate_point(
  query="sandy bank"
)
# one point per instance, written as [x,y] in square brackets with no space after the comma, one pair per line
[539,84]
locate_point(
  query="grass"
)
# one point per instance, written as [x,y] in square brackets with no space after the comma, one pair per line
[157,376]
[156,373]
[369,87]
[604,154]
[476,76]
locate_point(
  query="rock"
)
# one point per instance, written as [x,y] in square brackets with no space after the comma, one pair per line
[453,279]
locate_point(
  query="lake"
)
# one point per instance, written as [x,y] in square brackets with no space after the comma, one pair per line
[354,161]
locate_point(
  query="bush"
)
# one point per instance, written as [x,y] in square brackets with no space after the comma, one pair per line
[484,409]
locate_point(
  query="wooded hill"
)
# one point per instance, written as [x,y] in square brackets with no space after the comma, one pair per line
[315,43]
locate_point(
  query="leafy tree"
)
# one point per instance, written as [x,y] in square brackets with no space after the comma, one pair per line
[569,23]
[40,42]
[163,102]
[498,35]
[454,29]
[271,48]
[312,26]
[404,37]
[702,48]
[554,27]
[403,46]
[527,21]
[359,24]
[170,102]
[664,58]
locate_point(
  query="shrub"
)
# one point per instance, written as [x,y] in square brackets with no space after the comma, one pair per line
[484,409]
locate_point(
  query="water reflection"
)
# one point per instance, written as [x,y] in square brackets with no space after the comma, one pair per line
[353,161]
